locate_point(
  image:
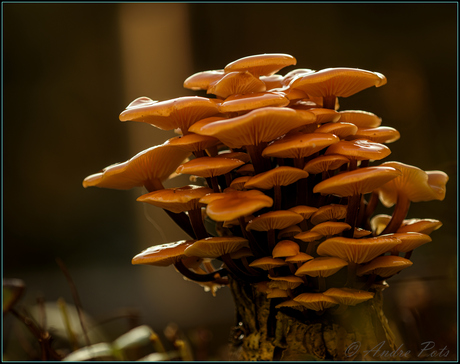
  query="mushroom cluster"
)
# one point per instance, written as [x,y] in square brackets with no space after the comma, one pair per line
[284,193]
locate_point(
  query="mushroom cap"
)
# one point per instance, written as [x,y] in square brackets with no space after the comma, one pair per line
[341,82]
[341,129]
[277,293]
[238,183]
[424,226]
[291,304]
[357,250]
[410,241]
[329,212]
[414,183]
[280,176]
[325,163]
[325,116]
[181,112]
[193,142]
[359,233]
[308,236]
[285,248]
[216,246]
[349,296]
[176,199]
[289,232]
[315,301]
[243,252]
[299,258]
[379,222]
[273,81]
[284,283]
[257,126]
[202,80]
[321,267]
[246,170]
[305,211]
[329,228]
[384,266]
[234,83]
[359,181]
[299,145]
[238,103]
[359,149]
[261,64]
[274,220]
[209,166]
[235,155]
[296,73]
[155,163]
[231,205]
[362,119]
[267,263]
[380,134]
[164,254]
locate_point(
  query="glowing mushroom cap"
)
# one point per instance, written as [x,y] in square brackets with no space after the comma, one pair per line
[280,176]
[260,125]
[239,103]
[414,183]
[285,248]
[329,212]
[176,199]
[261,64]
[315,301]
[359,181]
[362,119]
[359,149]
[181,112]
[234,83]
[325,163]
[153,164]
[274,220]
[202,80]
[299,145]
[216,246]
[267,263]
[357,250]
[321,267]
[349,296]
[209,166]
[384,266]
[342,82]
[234,204]
[410,241]
[164,254]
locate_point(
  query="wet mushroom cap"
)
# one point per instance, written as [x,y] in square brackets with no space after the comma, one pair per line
[257,126]
[209,166]
[181,112]
[349,296]
[274,220]
[410,241]
[215,247]
[234,204]
[359,181]
[285,248]
[261,64]
[380,134]
[341,129]
[164,254]
[315,301]
[194,142]
[342,82]
[384,266]
[176,199]
[280,176]
[321,267]
[238,103]
[236,83]
[362,119]
[202,80]
[424,226]
[357,250]
[359,149]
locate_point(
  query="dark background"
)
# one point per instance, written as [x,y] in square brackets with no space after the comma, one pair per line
[70,69]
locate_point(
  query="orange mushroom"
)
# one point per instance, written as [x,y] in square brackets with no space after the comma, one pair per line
[261,64]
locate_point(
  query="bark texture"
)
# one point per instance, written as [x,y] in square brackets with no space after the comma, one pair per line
[263,332]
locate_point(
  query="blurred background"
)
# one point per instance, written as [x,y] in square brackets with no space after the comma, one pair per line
[70,69]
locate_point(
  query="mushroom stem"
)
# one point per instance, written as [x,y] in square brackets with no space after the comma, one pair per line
[199,153]
[353,164]
[253,245]
[321,284]
[260,163]
[271,239]
[369,282]
[292,267]
[408,254]
[212,151]
[329,102]
[198,277]
[370,208]
[301,198]
[362,212]
[197,223]
[237,271]
[351,274]
[399,214]
[249,269]
[215,184]
[277,202]
[228,179]
[352,214]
